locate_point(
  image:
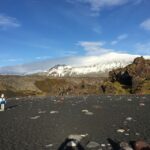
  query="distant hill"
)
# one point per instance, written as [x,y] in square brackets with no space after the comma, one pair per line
[37,85]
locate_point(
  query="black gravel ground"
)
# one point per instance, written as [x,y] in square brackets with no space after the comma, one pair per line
[43,123]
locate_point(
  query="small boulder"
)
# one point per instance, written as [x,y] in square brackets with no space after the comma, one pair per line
[75,142]
[125,146]
[93,145]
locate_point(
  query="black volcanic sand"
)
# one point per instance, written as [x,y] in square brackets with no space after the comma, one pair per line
[27,123]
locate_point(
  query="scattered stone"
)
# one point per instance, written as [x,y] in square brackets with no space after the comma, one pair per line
[121,130]
[89,113]
[103,145]
[74,140]
[125,146]
[84,135]
[129,100]
[49,145]
[93,145]
[35,117]
[71,144]
[127,134]
[129,118]
[54,112]
[141,104]
[85,111]
[76,137]
[137,134]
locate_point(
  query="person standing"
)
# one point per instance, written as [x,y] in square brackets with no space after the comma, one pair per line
[2,102]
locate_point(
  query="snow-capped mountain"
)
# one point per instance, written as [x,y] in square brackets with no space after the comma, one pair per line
[74,66]
[59,70]
[106,63]
[64,70]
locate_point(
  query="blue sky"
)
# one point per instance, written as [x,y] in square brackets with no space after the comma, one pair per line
[34,30]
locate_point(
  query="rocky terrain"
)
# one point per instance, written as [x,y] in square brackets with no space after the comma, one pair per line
[43,111]
[132,79]
[14,86]
[43,123]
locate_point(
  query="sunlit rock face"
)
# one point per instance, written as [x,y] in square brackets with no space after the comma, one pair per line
[135,75]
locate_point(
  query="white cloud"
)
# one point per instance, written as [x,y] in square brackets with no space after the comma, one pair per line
[7,22]
[145,24]
[75,61]
[43,57]
[122,36]
[70,53]
[97,29]
[119,38]
[94,48]
[12,60]
[98,5]
[61,53]
[143,48]
[114,42]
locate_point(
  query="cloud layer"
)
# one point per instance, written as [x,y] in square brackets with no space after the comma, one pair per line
[146,24]
[143,47]
[94,48]
[98,5]
[119,38]
[7,22]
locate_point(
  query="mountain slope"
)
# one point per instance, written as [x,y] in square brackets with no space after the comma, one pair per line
[134,78]
[106,63]
[74,66]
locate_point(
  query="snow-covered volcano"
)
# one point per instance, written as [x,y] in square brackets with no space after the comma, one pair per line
[74,66]
[103,65]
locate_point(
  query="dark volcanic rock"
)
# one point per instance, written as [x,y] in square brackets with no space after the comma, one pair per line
[142,145]
[135,76]
[75,142]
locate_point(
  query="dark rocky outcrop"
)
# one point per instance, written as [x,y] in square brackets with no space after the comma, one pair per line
[135,76]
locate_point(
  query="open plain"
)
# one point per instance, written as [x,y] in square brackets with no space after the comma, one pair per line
[43,123]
